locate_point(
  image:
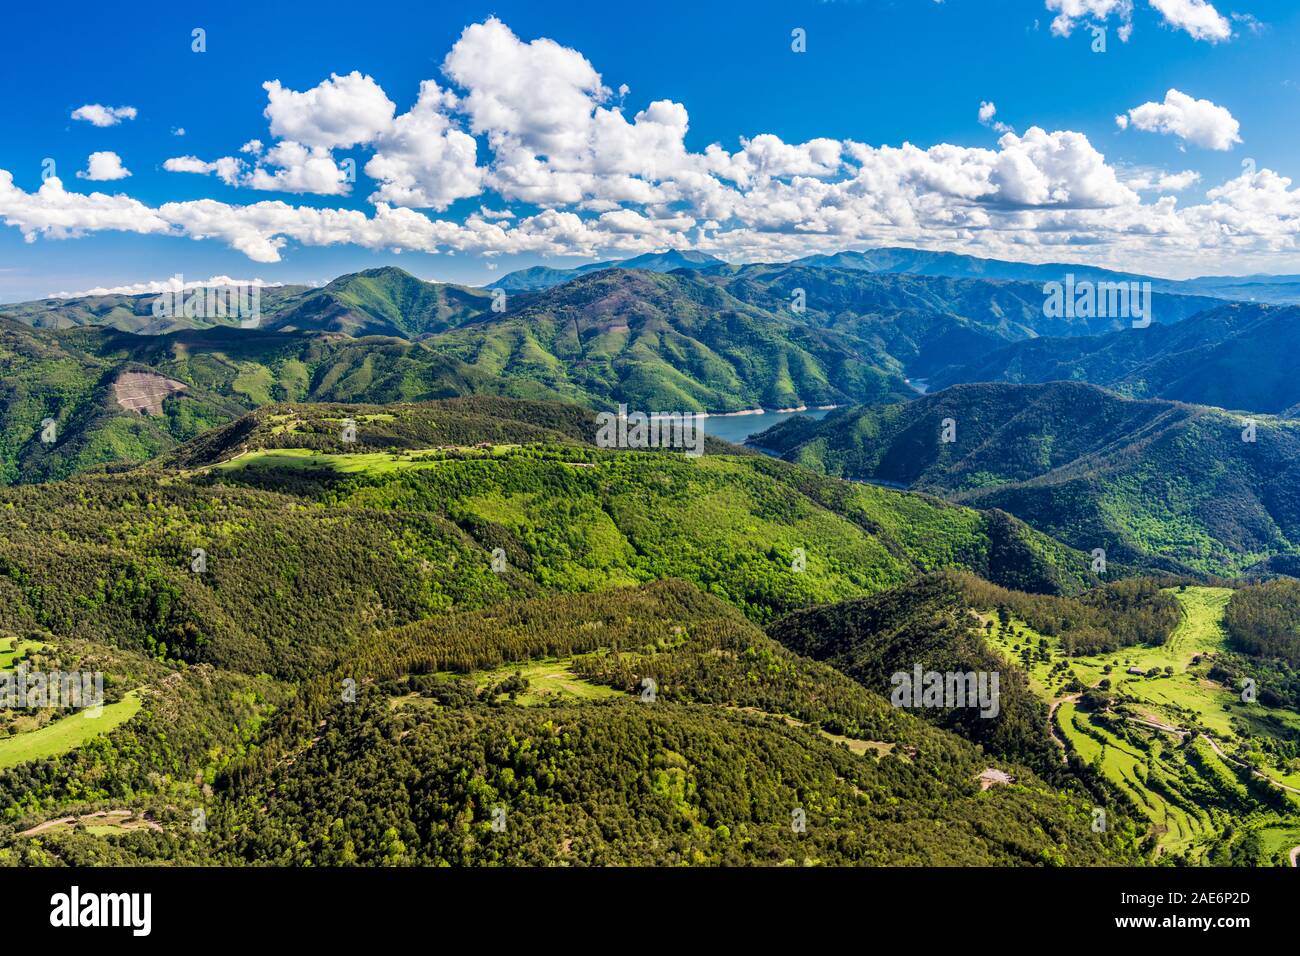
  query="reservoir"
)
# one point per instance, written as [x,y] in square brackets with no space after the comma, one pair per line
[736,428]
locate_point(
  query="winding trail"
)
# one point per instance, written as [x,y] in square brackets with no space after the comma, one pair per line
[1241,763]
[1222,754]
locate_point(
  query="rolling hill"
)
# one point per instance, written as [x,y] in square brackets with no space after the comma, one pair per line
[1161,483]
[133,313]
[665,343]
[71,377]
[379,577]
[385,301]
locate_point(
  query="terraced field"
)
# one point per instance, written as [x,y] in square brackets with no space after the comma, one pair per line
[1169,737]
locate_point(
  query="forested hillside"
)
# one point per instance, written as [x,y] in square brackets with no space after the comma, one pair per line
[1162,484]
[618,619]
[1236,357]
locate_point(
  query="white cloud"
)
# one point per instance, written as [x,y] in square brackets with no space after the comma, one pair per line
[171,284]
[228,169]
[295,168]
[286,167]
[340,112]
[423,161]
[1197,17]
[98,115]
[1198,122]
[538,94]
[540,106]
[766,156]
[988,110]
[608,182]
[104,167]
[54,213]
[1155,180]
[1177,182]
[1070,12]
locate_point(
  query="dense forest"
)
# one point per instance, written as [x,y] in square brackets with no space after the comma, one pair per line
[1264,620]
[510,646]
[1156,485]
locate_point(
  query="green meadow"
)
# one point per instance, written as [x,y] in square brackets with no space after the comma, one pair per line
[1170,772]
[12,649]
[548,680]
[66,734]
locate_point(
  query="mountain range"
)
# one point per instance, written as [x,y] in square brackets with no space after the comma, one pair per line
[392,488]
[713,338]
[1235,356]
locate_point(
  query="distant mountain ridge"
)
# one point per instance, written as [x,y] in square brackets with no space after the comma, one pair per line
[1269,289]
[342,307]
[1237,356]
[538,278]
[717,339]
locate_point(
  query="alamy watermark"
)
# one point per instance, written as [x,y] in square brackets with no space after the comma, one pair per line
[683,430]
[1086,299]
[22,689]
[947,689]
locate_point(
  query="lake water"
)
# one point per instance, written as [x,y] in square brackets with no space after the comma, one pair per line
[736,428]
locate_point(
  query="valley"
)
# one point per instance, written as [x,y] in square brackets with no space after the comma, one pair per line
[425,589]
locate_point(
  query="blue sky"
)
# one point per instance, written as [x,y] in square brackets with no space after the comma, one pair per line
[1192,185]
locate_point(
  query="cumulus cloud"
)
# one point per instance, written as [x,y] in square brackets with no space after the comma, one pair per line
[533,122]
[98,115]
[1198,18]
[229,169]
[339,112]
[54,213]
[1069,13]
[1198,122]
[422,160]
[294,168]
[104,167]
[538,94]
[287,167]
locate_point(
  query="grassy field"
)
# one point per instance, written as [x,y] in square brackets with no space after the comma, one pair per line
[1279,839]
[12,648]
[361,463]
[547,681]
[1187,792]
[66,734]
